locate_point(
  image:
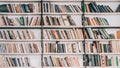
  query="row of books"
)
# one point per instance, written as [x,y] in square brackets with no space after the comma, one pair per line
[36,20]
[49,20]
[36,7]
[21,8]
[19,48]
[17,34]
[94,47]
[63,34]
[62,20]
[95,21]
[56,8]
[63,48]
[20,21]
[98,47]
[61,61]
[102,60]
[15,62]
[57,34]
[94,7]
[97,34]
[66,61]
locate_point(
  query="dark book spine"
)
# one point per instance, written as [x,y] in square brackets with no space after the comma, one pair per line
[47,7]
[93,6]
[19,62]
[9,35]
[53,21]
[96,6]
[102,8]
[15,62]
[71,21]
[47,18]
[76,8]
[22,21]
[26,7]
[68,8]
[46,61]
[58,48]
[118,8]
[57,10]
[58,21]
[63,48]
[51,61]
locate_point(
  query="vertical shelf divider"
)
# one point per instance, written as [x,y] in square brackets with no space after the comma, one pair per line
[42,44]
[84,41]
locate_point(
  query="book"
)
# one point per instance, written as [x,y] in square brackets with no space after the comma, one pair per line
[3,8]
[118,8]
[118,34]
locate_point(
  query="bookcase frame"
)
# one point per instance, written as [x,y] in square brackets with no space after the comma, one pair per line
[101,27]
[42,27]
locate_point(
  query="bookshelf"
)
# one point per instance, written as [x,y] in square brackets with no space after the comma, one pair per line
[19,48]
[59,34]
[67,43]
[102,58]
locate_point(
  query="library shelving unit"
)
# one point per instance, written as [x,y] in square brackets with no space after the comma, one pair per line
[59,34]
[60,43]
[101,51]
[20,34]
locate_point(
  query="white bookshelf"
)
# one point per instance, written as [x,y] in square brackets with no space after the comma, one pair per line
[78,20]
[113,19]
[35,58]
